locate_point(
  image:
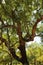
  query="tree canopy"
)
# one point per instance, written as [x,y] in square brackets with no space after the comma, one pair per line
[19,24]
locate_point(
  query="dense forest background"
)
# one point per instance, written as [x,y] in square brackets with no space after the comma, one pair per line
[21,26]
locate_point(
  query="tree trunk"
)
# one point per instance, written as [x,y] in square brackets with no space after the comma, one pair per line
[35,63]
[22,45]
[24,57]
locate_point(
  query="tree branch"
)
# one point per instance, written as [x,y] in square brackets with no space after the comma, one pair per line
[8,26]
[20,34]
[34,27]
[12,51]
[29,37]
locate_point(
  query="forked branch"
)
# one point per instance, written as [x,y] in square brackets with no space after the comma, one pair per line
[31,37]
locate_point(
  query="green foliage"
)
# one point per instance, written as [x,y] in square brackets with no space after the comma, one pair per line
[35,52]
[26,12]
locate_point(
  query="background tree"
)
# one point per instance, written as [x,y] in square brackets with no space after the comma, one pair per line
[18,23]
